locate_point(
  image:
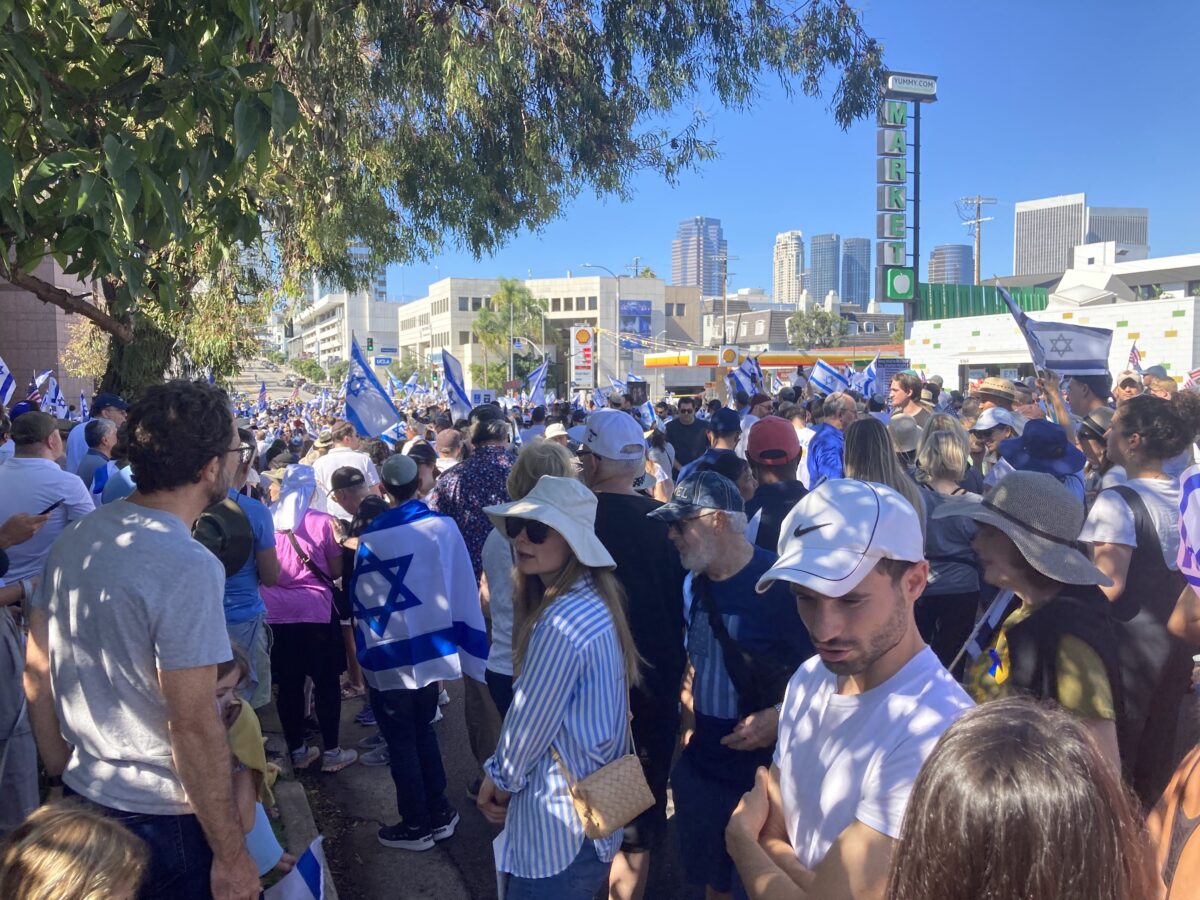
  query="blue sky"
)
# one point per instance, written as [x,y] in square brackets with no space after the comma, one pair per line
[1035,99]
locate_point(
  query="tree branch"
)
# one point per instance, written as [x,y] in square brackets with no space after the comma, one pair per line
[73,303]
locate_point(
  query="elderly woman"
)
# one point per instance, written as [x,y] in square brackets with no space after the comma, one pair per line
[575,660]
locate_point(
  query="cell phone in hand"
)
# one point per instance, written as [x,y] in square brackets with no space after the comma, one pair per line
[53,506]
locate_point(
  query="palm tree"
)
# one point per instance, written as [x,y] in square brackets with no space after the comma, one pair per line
[513,307]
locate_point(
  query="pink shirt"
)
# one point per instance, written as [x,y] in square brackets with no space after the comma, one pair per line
[299,595]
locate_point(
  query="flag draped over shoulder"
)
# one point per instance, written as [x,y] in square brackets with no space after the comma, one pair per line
[416,603]
[368,408]
[1061,347]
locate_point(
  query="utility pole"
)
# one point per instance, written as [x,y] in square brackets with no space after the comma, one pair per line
[975,222]
[723,259]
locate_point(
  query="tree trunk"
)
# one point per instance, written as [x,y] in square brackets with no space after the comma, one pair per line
[73,303]
[134,366]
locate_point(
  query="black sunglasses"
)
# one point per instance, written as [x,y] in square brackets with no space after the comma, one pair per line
[535,531]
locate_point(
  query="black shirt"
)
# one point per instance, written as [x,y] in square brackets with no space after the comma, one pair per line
[649,570]
[775,501]
[689,441]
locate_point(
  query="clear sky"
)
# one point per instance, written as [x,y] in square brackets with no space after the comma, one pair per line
[1034,99]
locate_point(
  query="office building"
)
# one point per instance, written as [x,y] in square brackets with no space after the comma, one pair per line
[952,264]
[824,276]
[698,255]
[1045,232]
[788,282]
[1122,225]
[856,272]
[376,279]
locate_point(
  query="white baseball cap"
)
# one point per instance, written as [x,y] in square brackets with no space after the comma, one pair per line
[613,434]
[994,415]
[832,539]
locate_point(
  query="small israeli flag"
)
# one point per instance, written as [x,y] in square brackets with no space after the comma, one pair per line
[864,381]
[537,384]
[306,881]
[456,392]
[83,407]
[1061,347]
[598,400]
[827,379]
[619,386]
[53,402]
[631,378]
[8,384]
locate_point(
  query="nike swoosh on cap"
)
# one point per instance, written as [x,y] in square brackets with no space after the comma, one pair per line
[800,532]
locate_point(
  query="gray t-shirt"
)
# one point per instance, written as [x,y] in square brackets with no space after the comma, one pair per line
[128,592]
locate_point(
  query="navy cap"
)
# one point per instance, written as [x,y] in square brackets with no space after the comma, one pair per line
[105,400]
[700,490]
[725,421]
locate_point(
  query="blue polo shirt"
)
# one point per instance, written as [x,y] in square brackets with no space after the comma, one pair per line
[242,598]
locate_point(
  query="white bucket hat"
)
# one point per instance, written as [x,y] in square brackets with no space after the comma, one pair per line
[566,506]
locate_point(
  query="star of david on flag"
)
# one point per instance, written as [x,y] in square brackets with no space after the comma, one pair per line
[399,596]
[1062,347]
[8,384]
[368,408]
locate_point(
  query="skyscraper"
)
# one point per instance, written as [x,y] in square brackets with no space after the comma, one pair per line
[1046,231]
[952,264]
[789,267]
[1126,226]
[697,253]
[825,267]
[856,272]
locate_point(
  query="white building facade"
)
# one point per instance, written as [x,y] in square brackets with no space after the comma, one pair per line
[788,258]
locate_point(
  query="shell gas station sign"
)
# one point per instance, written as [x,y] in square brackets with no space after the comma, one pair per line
[583,356]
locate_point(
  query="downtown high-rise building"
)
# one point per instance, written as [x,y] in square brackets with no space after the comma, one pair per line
[856,272]
[698,255]
[1046,232]
[825,252]
[952,264]
[788,282]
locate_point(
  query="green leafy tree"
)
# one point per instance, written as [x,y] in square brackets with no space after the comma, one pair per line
[337,371]
[309,369]
[511,310]
[276,357]
[147,148]
[815,328]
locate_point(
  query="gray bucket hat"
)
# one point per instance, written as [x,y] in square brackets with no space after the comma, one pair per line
[1041,516]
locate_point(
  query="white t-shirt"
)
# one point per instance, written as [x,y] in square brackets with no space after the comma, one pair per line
[847,757]
[1111,520]
[804,435]
[324,468]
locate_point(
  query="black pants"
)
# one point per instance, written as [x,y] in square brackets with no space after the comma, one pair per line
[945,622]
[405,721]
[314,650]
[501,689]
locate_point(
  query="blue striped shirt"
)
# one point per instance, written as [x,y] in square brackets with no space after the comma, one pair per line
[571,693]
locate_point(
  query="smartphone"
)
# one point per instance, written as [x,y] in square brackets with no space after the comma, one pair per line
[53,506]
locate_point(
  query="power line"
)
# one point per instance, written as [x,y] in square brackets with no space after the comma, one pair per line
[974,222]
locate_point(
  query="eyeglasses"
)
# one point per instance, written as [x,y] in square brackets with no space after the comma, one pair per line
[534,530]
[245,452]
[678,524]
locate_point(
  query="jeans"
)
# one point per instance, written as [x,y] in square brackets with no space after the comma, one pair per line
[416,761]
[578,881]
[501,689]
[180,859]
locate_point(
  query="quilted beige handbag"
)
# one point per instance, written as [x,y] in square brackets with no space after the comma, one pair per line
[612,796]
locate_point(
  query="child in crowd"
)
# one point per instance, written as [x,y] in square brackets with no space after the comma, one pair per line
[69,852]
[252,774]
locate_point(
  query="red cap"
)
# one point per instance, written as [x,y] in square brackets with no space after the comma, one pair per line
[772,442]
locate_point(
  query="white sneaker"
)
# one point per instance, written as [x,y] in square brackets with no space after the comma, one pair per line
[304,757]
[337,759]
[437,717]
[380,756]
[443,698]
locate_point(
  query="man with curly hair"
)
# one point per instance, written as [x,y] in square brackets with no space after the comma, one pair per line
[126,631]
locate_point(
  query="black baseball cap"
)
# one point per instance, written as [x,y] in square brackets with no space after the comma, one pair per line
[700,490]
[725,421]
[346,477]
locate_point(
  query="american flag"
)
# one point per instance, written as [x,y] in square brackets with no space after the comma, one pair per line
[1193,380]
[1135,358]
[35,391]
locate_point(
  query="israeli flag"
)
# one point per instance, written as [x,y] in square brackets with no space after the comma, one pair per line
[368,408]
[456,391]
[751,372]
[598,400]
[83,406]
[537,384]
[8,384]
[416,602]
[777,384]
[864,381]
[410,385]
[306,881]
[262,396]
[53,402]
[650,418]
[1060,347]
[827,379]
[738,380]
[619,386]
[631,378]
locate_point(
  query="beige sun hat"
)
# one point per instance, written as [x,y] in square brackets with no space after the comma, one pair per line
[1042,516]
[905,432]
[566,506]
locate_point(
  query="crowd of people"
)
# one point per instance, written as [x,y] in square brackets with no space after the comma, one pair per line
[913,644]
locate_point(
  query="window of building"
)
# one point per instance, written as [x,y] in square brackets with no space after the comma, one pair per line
[463,304]
[670,309]
[891,327]
[555,304]
[745,328]
[581,303]
[464,338]
[679,309]
[760,327]
[851,328]
[592,303]
[476,304]
[869,327]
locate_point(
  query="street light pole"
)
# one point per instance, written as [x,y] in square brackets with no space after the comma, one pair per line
[616,278]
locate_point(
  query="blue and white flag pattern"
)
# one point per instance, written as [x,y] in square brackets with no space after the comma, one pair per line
[368,408]
[738,380]
[537,384]
[262,396]
[456,388]
[827,379]
[777,383]
[649,417]
[1061,347]
[631,378]
[752,372]
[8,384]
[416,603]
[53,402]
[598,400]
[864,381]
[306,881]
[83,407]
[619,386]
[1189,526]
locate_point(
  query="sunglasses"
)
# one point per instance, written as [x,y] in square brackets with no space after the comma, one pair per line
[678,524]
[534,530]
